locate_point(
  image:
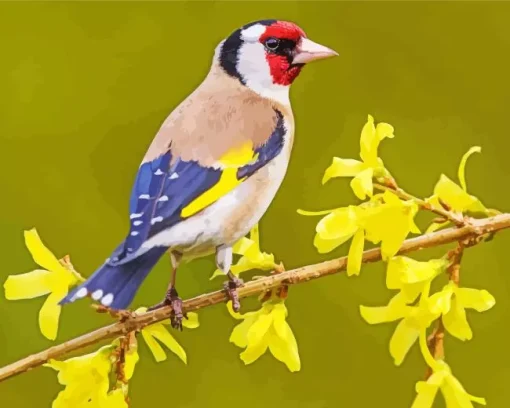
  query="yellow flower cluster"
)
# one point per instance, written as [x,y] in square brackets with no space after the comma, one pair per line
[388,219]
[385,219]
[413,279]
[86,380]
[264,329]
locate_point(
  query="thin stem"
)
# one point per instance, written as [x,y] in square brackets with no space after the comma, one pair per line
[252,288]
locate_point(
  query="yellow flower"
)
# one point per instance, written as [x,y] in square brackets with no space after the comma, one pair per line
[410,276]
[456,196]
[252,257]
[263,329]
[453,392]
[385,219]
[158,331]
[390,223]
[451,303]
[371,165]
[56,278]
[86,380]
[413,319]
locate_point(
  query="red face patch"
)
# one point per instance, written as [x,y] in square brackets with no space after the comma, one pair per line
[282,71]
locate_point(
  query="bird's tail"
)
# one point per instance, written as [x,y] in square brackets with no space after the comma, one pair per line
[115,286]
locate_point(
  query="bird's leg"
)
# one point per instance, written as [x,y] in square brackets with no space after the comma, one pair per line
[172,297]
[224,262]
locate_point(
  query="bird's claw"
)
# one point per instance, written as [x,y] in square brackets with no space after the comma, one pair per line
[172,299]
[231,287]
[177,313]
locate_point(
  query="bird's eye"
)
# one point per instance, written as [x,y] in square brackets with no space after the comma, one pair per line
[272,43]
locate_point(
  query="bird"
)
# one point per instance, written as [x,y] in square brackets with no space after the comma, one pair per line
[214,166]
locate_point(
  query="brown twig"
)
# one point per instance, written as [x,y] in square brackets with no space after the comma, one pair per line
[299,275]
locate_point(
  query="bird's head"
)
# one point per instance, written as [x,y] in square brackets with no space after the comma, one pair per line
[268,55]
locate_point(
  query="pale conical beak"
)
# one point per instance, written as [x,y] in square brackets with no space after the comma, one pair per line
[308,51]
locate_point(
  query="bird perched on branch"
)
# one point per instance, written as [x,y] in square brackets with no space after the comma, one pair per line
[214,166]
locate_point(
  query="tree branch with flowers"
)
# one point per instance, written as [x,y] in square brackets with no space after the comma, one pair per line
[385,218]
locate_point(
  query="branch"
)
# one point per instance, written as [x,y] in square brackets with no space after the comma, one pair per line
[473,229]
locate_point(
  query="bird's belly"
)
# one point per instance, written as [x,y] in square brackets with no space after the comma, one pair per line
[229,218]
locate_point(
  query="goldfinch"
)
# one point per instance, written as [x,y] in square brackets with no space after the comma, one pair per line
[214,166]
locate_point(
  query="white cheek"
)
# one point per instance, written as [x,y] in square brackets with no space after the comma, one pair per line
[254,68]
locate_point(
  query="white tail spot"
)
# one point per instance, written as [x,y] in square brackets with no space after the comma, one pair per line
[158,172]
[134,233]
[136,223]
[107,299]
[81,293]
[174,176]
[163,198]
[144,197]
[135,215]
[98,294]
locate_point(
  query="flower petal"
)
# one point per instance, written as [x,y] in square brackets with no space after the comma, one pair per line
[254,350]
[50,313]
[455,321]
[239,335]
[155,348]
[369,142]
[241,246]
[340,224]
[355,255]
[426,394]
[480,300]
[343,168]
[454,394]
[191,322]
[28,285]
[453,194]
[284,350]
[440,302]
[259,328]
[159,332]
[462,167]
[362,185]
[42,255]
[403,338]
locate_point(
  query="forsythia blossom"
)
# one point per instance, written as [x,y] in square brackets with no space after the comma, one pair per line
[252,257]
[455,195]
[264,329]
[451,303]
[454,394]
[86,380]
[410,277]
[158,331]
[385,219]
[55,279]
[371,165]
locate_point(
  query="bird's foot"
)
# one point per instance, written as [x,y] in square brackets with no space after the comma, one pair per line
[172,299]
[231,287]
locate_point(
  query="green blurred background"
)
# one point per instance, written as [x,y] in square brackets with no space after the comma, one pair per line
[85,86]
